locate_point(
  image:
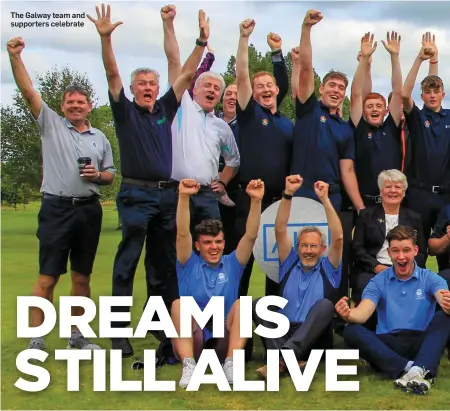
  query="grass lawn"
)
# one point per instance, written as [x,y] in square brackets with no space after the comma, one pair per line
[19,271]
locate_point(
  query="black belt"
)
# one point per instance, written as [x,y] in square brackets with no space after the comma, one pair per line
[72,200]
[431,188]
[374,199]
[153,184]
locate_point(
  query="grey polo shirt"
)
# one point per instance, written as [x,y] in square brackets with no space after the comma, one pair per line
[62,145]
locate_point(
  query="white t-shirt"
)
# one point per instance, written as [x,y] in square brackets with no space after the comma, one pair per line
[198,140]
[383,256]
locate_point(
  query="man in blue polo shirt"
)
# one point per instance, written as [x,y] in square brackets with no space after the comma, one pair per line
[429,133]
[147,199]
[377,141]
[265,140]
[410,335]
[207,273]
[308,279]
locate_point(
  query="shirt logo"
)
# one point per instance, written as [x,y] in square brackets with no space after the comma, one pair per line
[427,123]
[162,121]
[221,278]
[265,122]
[419,294]
[447,126]
[94,145]
[369,135]
[323,119]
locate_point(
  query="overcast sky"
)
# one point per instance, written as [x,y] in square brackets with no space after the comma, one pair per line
[139,41]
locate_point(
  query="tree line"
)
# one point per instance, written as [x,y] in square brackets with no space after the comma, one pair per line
[21,159]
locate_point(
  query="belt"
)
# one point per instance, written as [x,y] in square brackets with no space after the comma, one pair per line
[73,200]
[374,199]
[153,184]
[431,188]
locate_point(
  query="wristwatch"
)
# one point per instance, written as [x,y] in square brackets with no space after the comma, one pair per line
[286,196]
[277,56]
[201,43]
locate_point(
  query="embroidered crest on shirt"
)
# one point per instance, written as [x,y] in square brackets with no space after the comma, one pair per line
[265,122]
[369,135]
[323,119]
[221,278]
[419,294]
[427,123]
[93,144]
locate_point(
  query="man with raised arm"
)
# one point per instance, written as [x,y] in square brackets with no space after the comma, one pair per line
[147,198]
[207,273]
[410,335]
[265,140]
[323,142]
[308,279]
[429,132]
[77,159]
[377,141]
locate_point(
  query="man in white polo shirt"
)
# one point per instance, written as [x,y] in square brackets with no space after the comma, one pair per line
[198,140]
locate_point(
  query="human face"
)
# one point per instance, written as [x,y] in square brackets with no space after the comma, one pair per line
[310,249]
[432,98]
[374,111]
[332,93]
[210,248]
[76,107]
[392,193]
[207,93]
[229,100]
[145,89]
[265,92]
[402,253]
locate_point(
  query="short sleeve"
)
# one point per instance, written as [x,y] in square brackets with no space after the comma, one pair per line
[183,269]
[372,292]
[308,107]
[247,115]
[413,121]
[47,121]
[108,162]
[235,267]
[170,103]
[346,146]
[119,108]
[434,283]
[291,259]
[333,274]
[229,149]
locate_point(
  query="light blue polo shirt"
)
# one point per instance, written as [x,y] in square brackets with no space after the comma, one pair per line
[404,304]
[198,279]
[304,288]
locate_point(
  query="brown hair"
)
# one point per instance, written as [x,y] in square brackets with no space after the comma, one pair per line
[208,227]
[76,88]
[400,233]
[432,82]
[335,75]
[373,96]
[261,74]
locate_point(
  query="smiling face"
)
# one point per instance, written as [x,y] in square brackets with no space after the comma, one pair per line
[310,249]
[145,88]
[76,107]
[265,91]
[374,110]
[392,193]
[210,247]
[402,254]
[207,93]
[229,100]
[332,92]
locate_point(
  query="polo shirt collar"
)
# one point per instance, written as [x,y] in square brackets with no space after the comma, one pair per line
[415,273]
[327,109]
[300,265]
[205,264]
[144,110]
[90,130]
[441,112]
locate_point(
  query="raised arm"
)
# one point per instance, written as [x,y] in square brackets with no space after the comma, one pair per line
[23,80]
[306,75]
[295,56]
[392,45]
[186,189]
[367,86]
[425,53]
[284,243]
[368,47]
[205,66]
[279,66]
[359,314]
[105,29]
[334,225]
[244,86]
[429,40]
[255,189]
[171,47]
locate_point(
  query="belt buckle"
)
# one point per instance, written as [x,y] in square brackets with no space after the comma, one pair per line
[74,200]
[378,199]
[435,189]
[161,184]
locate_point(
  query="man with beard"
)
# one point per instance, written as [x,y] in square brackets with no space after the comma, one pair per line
[147,198]
[308,279]
[377,141]
[265,141]
[410,335]
[429,132]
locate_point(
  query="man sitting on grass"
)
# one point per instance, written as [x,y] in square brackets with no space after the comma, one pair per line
[209,273]
[410,335]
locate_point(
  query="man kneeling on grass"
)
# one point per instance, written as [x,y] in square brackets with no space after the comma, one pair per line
[210,273]
[410,335]
[308,279]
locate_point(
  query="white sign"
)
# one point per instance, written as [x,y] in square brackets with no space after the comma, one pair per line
[304,212]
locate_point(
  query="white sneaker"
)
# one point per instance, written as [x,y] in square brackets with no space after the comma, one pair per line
[228,370]
[414,380]
[187,371]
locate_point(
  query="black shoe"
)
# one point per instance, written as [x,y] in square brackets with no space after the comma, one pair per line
[124,345]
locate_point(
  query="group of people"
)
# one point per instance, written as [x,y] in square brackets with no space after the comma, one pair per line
[195,182]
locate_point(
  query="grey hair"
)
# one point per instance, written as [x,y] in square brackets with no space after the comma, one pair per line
[312,229]
[396,176]
[145,70]
[211,74]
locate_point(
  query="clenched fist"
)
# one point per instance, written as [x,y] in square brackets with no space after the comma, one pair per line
[15,45]
[188,187]
[274,41]
[312,17]
[293,183]
[255,189]
[246,27]
[321,190]
[168,12]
